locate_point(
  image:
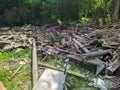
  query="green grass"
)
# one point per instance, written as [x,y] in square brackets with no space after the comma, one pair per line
[82,68]
[54,61]
[19,54]
[76,82]
[22,79]
[73,82]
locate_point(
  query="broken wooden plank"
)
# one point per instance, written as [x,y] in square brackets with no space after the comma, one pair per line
[94,61]
[16,71]
[97,54]
[62,70]
[75,57]
[87,52]
[114,65]
[65,51]
[115,62]
[34,63]
[81,46]
[50,80]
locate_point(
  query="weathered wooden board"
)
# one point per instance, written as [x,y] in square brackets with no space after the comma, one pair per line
[34,64]
[50,80]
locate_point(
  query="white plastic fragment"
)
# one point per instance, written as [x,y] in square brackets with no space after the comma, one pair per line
[100,84]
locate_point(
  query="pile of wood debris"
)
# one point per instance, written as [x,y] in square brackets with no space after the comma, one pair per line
[10,40]
[97,47]
[100,48]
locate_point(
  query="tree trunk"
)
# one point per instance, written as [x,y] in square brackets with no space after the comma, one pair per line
[116,10]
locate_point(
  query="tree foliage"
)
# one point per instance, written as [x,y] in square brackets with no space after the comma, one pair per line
[20,12]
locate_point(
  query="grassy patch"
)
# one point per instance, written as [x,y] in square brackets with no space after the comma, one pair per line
[19,54]
[54,61]
[73,82]
[82,68]
[22,79]
[76,82]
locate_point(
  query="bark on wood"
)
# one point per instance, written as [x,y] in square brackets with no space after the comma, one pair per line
[116,10]
[34,63]
[59,69]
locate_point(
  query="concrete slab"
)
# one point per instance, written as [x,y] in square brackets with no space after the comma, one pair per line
[50,80]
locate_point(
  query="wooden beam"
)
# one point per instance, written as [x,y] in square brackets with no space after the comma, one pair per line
[34,63]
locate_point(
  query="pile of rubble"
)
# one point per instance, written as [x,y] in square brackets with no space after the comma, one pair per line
[100,48]
[97,47]
[92,46]
[10,40]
